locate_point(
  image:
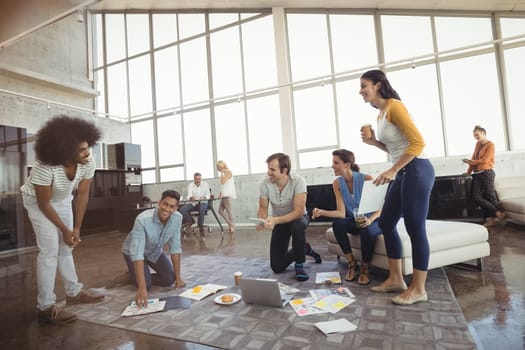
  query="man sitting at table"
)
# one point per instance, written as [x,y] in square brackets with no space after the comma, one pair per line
[198,194]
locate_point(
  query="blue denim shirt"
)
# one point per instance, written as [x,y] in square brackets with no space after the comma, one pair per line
[149,235]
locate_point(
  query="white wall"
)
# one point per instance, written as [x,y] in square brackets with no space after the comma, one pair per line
[50,64]
[247,186]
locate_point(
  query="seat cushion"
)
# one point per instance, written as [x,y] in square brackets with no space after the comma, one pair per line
[442,235]
[516,205]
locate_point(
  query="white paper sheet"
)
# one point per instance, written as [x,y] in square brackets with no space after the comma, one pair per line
[154,305]
[333,276]
[336,326]
[372,198]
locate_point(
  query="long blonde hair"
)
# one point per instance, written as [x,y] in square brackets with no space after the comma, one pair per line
[222,164]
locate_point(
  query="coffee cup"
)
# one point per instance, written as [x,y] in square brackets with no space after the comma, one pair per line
[237,277]
[366,129]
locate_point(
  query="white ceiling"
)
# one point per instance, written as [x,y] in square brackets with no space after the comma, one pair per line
[468,5]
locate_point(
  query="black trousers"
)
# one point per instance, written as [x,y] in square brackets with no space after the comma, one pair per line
[280,256]
[484,193]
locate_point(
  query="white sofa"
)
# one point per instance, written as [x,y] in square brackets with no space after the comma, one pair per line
[511,194]
[451,242]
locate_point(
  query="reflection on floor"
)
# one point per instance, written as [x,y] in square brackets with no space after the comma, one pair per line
[492,301]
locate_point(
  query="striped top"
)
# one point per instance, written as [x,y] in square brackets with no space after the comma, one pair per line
[55,176]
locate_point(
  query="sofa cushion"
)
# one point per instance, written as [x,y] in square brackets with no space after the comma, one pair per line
[442,235]
[511,192]
[516,205]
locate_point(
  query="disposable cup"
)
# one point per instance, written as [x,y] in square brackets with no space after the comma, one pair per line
[237,277]
[366,129]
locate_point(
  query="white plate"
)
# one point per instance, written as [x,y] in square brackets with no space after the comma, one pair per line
[236,298]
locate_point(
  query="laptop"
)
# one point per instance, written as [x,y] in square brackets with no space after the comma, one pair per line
[263,291]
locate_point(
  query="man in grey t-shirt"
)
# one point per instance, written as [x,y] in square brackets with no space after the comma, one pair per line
[287,195]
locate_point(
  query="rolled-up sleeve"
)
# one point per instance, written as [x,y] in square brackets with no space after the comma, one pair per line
[174,226]
[137,241]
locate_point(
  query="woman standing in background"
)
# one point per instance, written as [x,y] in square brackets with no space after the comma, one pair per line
[481,167]
[227,192]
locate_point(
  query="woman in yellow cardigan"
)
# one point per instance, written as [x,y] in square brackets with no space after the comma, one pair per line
[481,167]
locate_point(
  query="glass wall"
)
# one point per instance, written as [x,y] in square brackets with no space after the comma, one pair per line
[514,56]
[183,82]
[202,87]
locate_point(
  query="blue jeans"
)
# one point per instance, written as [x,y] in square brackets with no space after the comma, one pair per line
[165,273]
[408,197]
[367,236]
[186,210]
[280,256]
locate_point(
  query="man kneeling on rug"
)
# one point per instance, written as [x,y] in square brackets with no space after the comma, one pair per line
[143,247]
[287,195]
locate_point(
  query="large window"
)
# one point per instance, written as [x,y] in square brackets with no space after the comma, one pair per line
[515,76]
[406,36]
[418,89]
[471,99]
[230,127]
[199,87]
[226,62]
[264,130]
[353,41]
[167,80]
[197,138]
[308,38]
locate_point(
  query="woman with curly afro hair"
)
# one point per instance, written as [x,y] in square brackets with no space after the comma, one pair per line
[63,166]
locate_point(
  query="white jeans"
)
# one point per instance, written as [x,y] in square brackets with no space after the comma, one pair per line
[52,252]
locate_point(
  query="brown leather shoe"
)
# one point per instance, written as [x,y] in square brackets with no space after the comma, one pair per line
[119,280]
[85,297]
[55,315]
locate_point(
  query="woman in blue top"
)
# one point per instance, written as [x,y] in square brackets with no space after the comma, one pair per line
[348,187]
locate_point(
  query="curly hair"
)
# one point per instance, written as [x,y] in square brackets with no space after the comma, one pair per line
[57,142]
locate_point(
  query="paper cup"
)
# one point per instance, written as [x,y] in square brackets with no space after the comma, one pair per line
[366,129]
[237,277]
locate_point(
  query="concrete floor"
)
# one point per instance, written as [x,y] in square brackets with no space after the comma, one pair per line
[492,301]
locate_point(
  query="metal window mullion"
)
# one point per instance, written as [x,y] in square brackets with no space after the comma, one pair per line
[440,87]
[210,89]
[502,82]
[104,64]
[154,100]
[127,63]
[179,67]
[245,103]
[332,72]
[379,40]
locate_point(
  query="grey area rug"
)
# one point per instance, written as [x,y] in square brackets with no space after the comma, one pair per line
[437,324]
